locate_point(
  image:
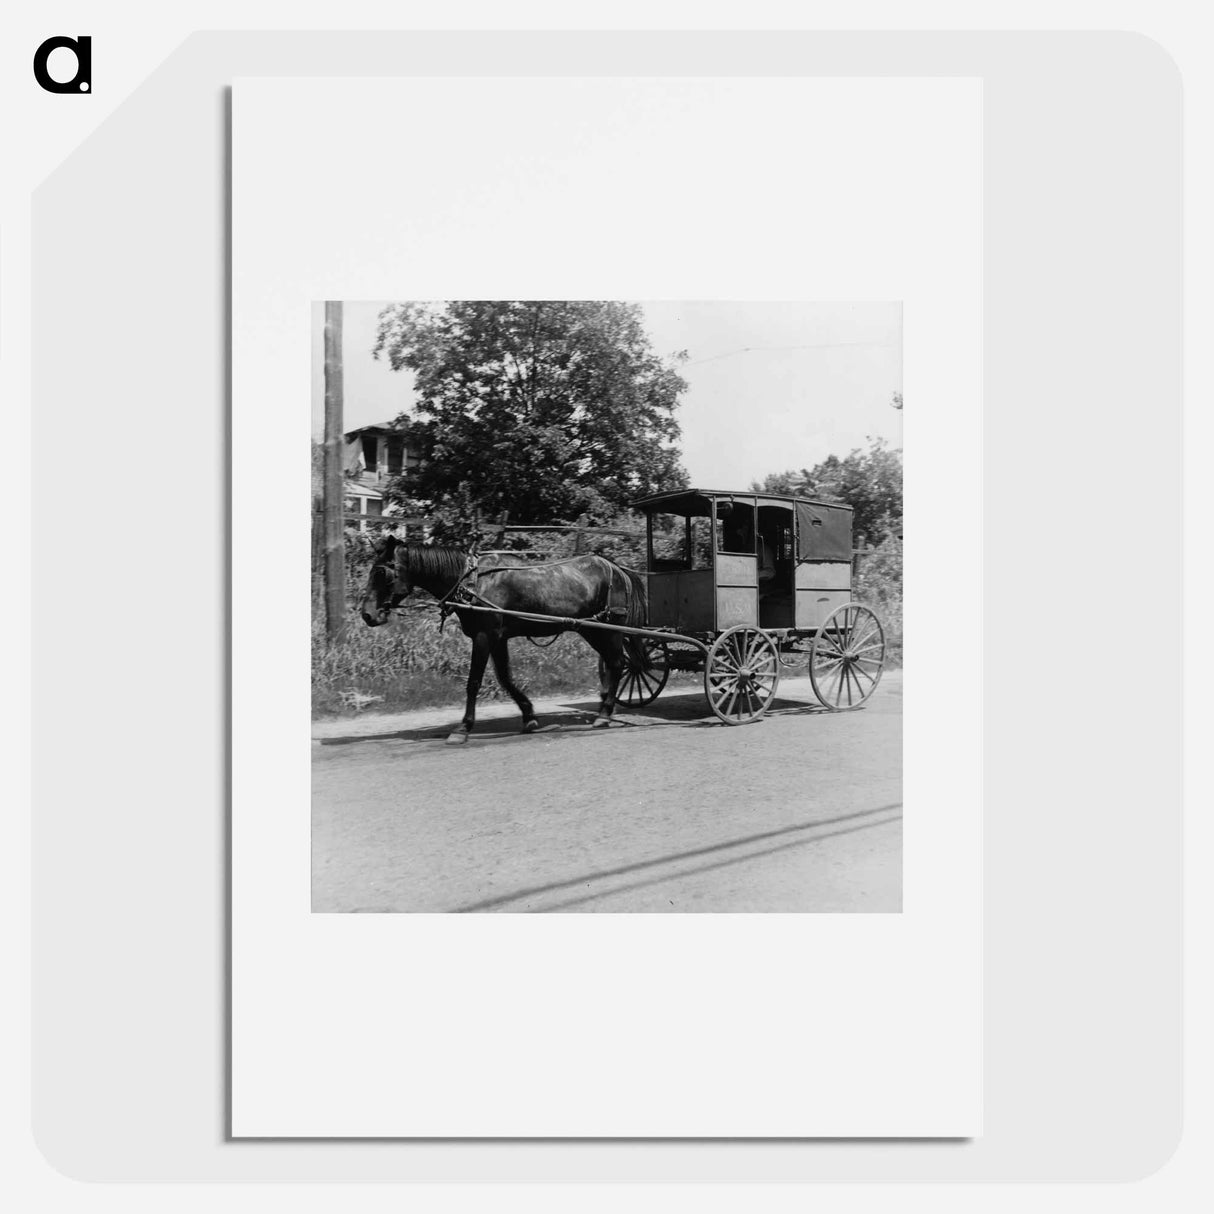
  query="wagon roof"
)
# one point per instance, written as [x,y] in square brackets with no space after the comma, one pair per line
[678,498]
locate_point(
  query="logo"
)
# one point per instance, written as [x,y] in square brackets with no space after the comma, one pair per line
[82,81]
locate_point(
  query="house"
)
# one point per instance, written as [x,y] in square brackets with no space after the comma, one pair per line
[373,456]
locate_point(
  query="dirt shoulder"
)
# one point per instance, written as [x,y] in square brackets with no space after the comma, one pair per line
[558,709]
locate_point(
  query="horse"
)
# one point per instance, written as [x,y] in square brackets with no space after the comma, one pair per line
[578,588]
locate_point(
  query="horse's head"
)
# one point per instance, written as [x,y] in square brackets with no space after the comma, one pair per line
[387,584]
[402,566]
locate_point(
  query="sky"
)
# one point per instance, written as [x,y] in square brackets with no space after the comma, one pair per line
[771,386]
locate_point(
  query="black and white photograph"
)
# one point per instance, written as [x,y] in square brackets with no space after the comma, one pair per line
[606,606]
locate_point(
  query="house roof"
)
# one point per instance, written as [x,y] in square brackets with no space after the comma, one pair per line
[388,427]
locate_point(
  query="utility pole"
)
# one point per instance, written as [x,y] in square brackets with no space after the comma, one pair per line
[334,499]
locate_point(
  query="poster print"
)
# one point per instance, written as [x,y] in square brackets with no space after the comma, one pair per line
[439,906]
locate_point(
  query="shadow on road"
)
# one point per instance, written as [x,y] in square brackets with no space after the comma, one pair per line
[718,856]
[686,710]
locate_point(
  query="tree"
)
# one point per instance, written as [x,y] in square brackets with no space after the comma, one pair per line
[869,480]
[543,409]
[793,481]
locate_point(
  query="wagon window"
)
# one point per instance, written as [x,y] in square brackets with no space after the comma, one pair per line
[736,527]
[669,540]
[701,543]
[775,530]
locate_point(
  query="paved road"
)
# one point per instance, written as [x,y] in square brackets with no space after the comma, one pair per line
[668,810]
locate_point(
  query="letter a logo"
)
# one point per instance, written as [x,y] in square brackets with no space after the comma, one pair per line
[82,81]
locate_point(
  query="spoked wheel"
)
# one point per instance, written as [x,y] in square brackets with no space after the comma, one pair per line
[741,674]
[641,684]
[847,657]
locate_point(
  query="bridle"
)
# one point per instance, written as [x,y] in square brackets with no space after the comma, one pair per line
[446,604]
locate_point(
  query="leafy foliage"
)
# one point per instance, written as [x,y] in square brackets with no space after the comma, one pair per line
[542,409]
[878,583]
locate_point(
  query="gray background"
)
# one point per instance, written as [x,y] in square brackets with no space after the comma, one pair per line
[1082,552]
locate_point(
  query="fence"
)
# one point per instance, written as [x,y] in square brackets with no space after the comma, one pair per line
[624,544]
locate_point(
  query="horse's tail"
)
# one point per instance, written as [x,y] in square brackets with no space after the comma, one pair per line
[638,598]
[638,612]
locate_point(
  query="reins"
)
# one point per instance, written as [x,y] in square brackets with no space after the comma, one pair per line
[445,610]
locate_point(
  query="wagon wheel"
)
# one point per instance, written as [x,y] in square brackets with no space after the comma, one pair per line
[741,674]
[641,685]
[847,657]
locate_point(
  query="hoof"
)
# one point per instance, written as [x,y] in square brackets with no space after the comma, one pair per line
[457,739]
[530,726]
[601,722]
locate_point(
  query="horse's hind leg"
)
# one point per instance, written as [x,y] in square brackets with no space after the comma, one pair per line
[476,673]
[501,666]
[500,653]
[610,648]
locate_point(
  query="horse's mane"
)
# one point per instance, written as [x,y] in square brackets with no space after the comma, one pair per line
[430,560]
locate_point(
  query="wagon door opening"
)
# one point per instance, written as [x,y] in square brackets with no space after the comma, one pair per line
[776,554]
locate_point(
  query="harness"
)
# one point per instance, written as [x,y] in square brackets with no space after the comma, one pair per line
[446,603]
[464,594]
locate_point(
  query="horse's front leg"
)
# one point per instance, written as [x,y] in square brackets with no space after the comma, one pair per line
[476,674]
[501,666]
[611,649]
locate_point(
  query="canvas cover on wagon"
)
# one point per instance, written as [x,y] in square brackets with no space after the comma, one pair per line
[823,532]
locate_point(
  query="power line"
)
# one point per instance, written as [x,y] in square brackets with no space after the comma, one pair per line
[823,345]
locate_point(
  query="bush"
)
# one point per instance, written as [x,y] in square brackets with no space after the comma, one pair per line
[879,584]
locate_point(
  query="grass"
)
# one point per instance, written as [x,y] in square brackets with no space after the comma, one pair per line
[409,664]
